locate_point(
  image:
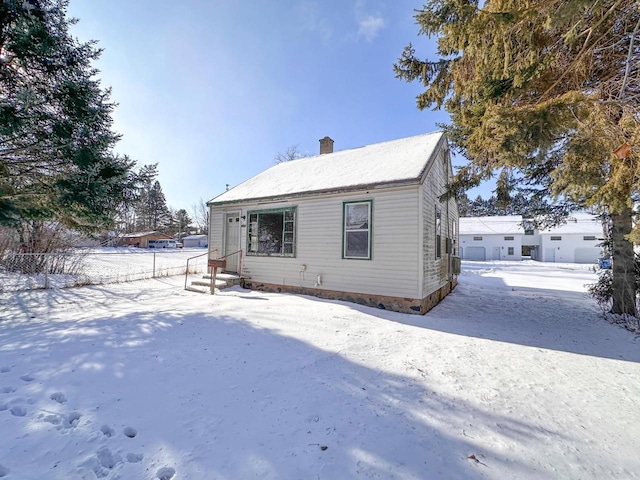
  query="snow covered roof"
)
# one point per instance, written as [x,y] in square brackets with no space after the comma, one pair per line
[194,237]
[578,223]
[497,225]
[393,162]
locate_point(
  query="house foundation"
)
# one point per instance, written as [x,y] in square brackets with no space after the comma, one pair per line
[396,304]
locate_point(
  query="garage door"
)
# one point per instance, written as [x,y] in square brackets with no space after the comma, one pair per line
[474,253]
[587,255]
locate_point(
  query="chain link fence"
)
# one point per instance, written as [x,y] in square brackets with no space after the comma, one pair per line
[29,271]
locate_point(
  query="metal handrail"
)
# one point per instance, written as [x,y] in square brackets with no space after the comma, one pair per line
[212,285]
[233,253]
[212,279]
[186,272]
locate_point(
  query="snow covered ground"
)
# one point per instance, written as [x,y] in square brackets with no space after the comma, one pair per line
[95,266]
[513,375]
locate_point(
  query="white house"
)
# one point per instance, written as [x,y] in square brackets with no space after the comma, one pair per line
[191,241]
[364,225]
[491,238]
[577,241]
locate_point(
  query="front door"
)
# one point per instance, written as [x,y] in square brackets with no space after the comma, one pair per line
[496,253]
[232,241]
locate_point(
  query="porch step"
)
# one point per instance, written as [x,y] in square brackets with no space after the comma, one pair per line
[230,279]
[196,289]
[205,283]
[223,280]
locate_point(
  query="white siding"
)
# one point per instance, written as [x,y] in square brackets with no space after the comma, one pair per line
[392,271]
[436,271]
[564,250]
[493,242]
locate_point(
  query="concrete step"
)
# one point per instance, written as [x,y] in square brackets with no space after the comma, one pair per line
[196,289]
[206,283]
[223,280]
[230,279]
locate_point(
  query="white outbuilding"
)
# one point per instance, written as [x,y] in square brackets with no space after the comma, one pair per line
[491,238]
[197,241]
[366,225]
[577,241]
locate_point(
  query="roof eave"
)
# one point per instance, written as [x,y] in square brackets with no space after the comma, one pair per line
[314,193]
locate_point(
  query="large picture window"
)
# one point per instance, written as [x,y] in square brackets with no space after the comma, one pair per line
[272,233]
[357,230]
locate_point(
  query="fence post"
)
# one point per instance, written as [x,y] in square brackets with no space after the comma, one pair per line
[46,271]
[154,265]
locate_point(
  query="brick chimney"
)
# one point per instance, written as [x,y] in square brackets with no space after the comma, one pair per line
[326,145]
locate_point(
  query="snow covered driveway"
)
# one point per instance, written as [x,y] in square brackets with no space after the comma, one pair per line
[513,375]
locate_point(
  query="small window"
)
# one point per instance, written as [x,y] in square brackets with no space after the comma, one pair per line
[528,232]
[477,239]
[508,238]
[555,239]
[509,250]
[271,233]
[356,224]
[438,233]
[589,237]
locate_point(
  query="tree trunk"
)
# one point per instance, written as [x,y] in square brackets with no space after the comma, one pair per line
[624,279]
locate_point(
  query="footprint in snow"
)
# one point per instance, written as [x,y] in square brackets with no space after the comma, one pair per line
[165,473]
[72,420]
[102,464]
[58,397]
[130,432]
[52,419]
[27,378]
[18,411]
[5,369]
[107,431]
[8,389]
[134,457]
[107,459]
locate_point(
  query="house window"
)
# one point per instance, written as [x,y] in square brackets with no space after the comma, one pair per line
[555,239]
[508,238]
[356,223]
[589,237]
[477,239]
[438,233]
[272,233]
[509,250]
[528,232]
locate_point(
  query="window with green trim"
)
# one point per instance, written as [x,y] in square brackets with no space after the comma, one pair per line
[356,227]
[272,232]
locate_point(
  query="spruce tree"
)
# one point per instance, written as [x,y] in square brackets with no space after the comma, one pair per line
[545,90]
[56,160]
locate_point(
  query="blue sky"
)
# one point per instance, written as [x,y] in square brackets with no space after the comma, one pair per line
[212,90]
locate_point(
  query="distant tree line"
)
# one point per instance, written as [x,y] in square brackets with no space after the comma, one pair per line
[519,204]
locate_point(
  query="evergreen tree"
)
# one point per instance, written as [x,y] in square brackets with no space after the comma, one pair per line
[545,90]
[56,160]
[181,220]
[152,211]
